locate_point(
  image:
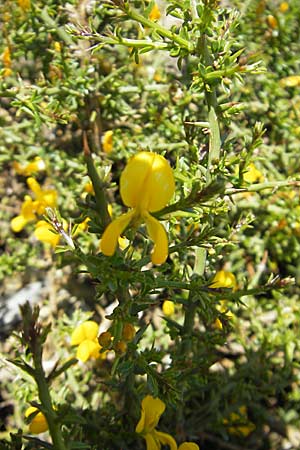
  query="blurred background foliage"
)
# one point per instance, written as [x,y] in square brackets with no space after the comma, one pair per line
[230,384]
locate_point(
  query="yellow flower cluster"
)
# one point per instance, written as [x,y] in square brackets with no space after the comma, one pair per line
[152,409]
[31,208]
[6,59]
[223,279]
[238,423]
[146,185]
[85,336]
[24,4]
[37,165]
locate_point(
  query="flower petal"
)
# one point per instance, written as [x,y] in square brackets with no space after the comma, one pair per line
[86,331]
[159,236]
[87,349]
[152,409]
[18,223]
[38,423]
[33,185]
[166,439]
[112,232]
[223,279]
[44,232]
[151,442]
[147,182]
[188,446]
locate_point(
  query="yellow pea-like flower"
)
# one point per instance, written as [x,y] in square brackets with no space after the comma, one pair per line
[38,423]
[224,279]
[85,337]
[151,410]
[45,232]
[146,185]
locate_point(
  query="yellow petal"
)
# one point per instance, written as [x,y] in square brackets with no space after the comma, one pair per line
[18,223]
[159,236]
[152,409]
[87,349]
[168,308]
[154,13]
[147,182]
[38,423]
[113,231]
[86,331]
[44,232]
[107,141]
[152,442]
[28,208]
[252,174]
[223,279]
[33,185]
[188,446]
[166,439]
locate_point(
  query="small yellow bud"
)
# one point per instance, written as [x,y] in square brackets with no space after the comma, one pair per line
[104,339]
[57,46]
[120,347]
[128,332]
[272,22]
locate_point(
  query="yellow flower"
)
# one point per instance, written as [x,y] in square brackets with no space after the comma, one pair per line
[188,446]
[88,187]
[107,141]
[45,232]
[6,57]
[252,175]
[146,185]
[154,13]
[85,336]
[38,423]
[43,197]
[168,308]
[238,423]
[27,215]
[291,81]
[30,208]
[24,4]
[283,7]
[223,279]
[152,409]
[37,165]
[272,22]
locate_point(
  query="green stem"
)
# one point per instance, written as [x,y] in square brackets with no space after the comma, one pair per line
[48,411]
[132,43]
[261,186]
[188,325]
[98,189]
[162,31]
